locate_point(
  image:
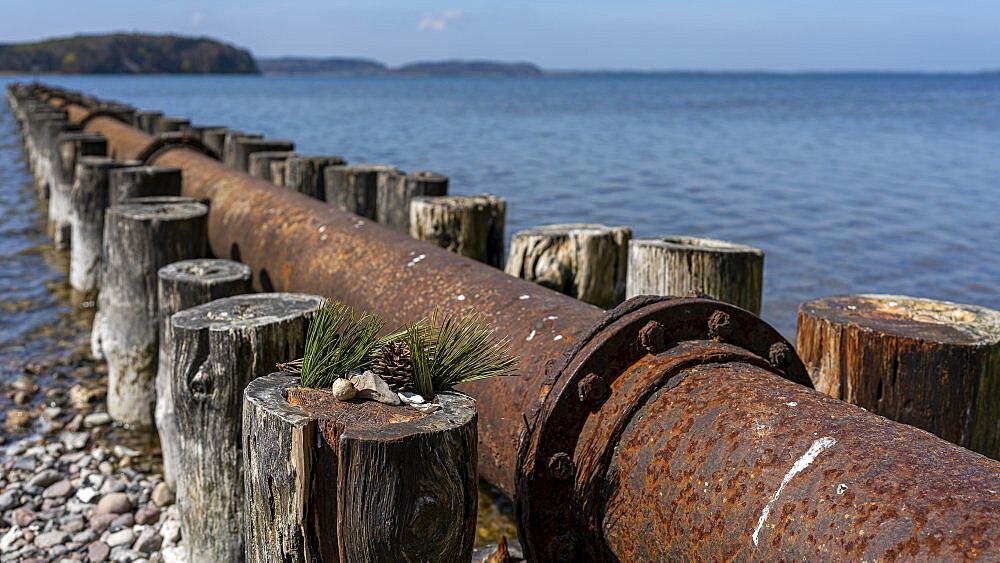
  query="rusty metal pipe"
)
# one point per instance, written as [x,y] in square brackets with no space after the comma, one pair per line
[661,429]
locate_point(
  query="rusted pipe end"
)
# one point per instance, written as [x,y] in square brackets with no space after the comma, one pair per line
[649,339]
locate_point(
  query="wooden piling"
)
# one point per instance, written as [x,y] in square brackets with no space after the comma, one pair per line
[219,347]
[238,150]
[328,480]
[354,188]
[930,364]
[396,193]
[261,164]
[183,285]
[88,203]
[70,147]
[147,120]
[467,225]
[143,181]
[142,235]
[171,124]
[306,174]
[214,138]
[678,265]
[587,261]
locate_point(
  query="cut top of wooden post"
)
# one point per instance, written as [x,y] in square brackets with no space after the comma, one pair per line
[930,364]
[205,271]
[911,317]
[677,265]
[246,311]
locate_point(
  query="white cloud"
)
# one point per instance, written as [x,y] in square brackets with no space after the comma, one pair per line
[438,21]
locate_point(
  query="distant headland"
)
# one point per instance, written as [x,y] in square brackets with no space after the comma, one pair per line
[142,53]
[126,53]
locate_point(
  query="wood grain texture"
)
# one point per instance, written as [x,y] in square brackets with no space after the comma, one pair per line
[219,347]
[586,261]
[88,203]
[182,285]
[357,481]
[230,139]
[306,174]
[141,237]
[396,193]
[678,265]
[467,225]
[355,188]
[70,147]
[143,181]
[931,364]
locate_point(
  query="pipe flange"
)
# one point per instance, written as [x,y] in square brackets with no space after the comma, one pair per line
[166,141]
[636,329]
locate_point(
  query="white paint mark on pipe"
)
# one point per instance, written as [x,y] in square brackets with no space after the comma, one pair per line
[558,337]
[792,404]
[807,458]
[531,336]
[460,298]
[841,488]
[523,297]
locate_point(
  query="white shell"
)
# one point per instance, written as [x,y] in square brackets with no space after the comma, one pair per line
[343,389]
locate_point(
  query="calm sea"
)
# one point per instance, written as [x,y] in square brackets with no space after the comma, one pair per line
[850,183]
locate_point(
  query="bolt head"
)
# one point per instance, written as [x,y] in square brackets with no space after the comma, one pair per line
[562,467]
[592,389]
[653,337]
[720,326]
[780,355]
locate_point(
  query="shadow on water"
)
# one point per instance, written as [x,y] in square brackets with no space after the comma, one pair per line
[48,382]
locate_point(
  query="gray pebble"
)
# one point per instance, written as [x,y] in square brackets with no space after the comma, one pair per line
[96,419]
[60,489]
[51,539]
[98,551]
[45,478]
[123,537]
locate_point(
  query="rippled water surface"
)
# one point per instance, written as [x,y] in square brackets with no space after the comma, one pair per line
[863,183]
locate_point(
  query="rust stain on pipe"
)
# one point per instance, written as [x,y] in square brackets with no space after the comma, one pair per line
[663,429]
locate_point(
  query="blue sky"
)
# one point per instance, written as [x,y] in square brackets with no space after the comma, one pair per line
[951,35]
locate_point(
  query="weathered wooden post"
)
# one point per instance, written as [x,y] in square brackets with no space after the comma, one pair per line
[396,193]
[586,261]
[239,148]
[219,347]
[88,201]
[49,154]
[328,480]
[147,120]
[678,265]
[142,235]
[170,124]
[214,138]
[354,188]
[229,139]
[261,163]
[183,285]
[305,174]
[930,364]
[143,181]
[70,147]
[467,225]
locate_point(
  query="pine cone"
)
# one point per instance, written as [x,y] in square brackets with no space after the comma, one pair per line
[395,366]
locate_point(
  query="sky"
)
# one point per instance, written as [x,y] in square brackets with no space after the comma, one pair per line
[781,35]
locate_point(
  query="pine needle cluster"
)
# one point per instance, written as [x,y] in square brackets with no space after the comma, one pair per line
[338,341]
[445,351]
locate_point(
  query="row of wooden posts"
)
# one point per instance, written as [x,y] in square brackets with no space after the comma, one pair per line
[190,349]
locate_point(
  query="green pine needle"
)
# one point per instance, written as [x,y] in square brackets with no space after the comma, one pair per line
[338,340]
[450,351]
